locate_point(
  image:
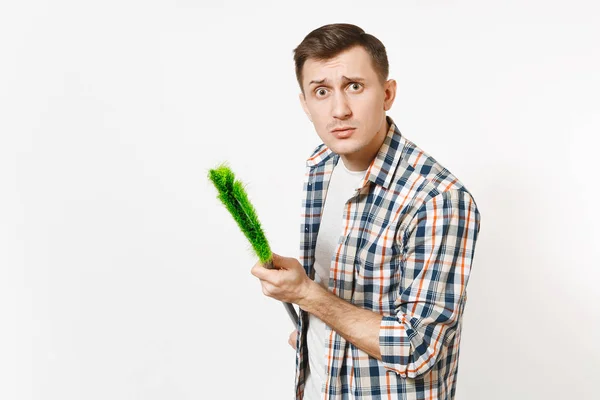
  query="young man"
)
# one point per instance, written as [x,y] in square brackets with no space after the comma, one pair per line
[387,241]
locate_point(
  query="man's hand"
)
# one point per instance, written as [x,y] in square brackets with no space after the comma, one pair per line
[288,282]
[293,338]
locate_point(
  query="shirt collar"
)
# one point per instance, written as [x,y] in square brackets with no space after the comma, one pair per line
[382,167]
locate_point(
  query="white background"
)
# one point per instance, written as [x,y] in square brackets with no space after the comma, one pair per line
[123,277]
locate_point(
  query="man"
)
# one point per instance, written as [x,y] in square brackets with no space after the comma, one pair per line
[387,241]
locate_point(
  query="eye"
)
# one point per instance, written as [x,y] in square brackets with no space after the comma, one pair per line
[319,90]
[356,84]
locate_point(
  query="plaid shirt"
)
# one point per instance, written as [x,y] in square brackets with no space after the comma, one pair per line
[405,252]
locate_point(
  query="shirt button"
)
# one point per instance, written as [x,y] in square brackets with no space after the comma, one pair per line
[306,229]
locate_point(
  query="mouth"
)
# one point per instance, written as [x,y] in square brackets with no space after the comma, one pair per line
[343,133]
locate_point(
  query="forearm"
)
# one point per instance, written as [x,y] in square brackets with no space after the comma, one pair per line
[356,325]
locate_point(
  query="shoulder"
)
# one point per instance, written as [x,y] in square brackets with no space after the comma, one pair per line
[433,179]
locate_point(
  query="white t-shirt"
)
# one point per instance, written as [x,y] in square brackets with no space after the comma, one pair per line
[342,187]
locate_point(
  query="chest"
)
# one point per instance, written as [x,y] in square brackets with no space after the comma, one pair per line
[367,265]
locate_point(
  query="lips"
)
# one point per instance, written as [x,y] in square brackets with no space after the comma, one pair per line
[343,133]
[343,128]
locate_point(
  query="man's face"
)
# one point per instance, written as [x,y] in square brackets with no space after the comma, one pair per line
[347,93]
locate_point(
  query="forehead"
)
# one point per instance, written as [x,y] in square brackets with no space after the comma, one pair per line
[352,62]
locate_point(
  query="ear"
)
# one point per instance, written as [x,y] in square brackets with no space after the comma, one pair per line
[390,94]
[304,106]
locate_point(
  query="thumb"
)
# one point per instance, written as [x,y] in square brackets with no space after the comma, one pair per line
[278,261]
[276,258]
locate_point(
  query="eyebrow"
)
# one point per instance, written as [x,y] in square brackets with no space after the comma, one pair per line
[344,78]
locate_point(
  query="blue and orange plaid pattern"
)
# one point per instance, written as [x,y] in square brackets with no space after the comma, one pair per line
[405,251]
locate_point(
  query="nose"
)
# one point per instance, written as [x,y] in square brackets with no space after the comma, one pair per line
[341,108]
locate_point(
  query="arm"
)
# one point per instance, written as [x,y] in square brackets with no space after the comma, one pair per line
[355,324]
[439,250]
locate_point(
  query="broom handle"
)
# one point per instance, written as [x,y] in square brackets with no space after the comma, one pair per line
[291,311]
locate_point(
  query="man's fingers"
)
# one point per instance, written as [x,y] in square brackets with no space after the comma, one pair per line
[259,271]
[255,270]
[292,339]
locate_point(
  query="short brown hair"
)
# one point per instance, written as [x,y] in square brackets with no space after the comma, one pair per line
[329,40]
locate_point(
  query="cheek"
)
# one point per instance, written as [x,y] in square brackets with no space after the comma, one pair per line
[371,114]
[321,129]
[371,101]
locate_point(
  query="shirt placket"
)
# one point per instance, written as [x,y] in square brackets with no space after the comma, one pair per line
[342,285]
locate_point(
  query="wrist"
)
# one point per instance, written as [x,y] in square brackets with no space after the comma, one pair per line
[307,294]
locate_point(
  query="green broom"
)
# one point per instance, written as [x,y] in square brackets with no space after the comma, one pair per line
[233,195]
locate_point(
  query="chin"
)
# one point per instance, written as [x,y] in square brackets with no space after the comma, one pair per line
[344,148]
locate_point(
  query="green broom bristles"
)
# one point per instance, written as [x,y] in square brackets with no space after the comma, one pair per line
[233,195]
